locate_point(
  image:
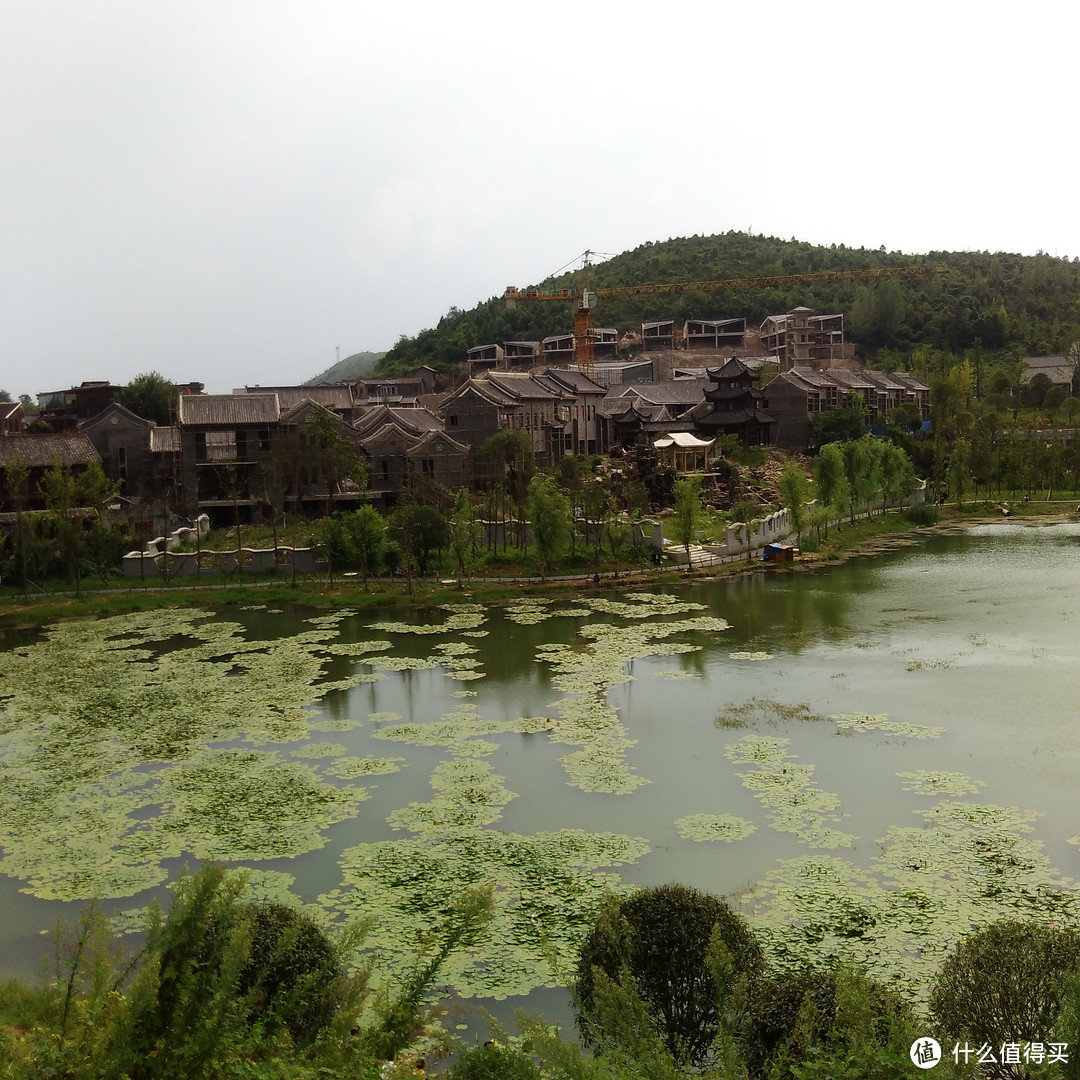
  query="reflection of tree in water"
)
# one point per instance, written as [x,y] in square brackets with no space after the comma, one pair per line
[782,610]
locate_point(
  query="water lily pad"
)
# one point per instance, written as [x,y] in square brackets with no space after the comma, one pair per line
[934,782]
[725,827]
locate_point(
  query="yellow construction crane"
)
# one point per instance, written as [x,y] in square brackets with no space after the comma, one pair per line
[586,297]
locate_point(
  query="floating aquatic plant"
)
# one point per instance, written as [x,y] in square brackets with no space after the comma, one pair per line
[759,712]
[750,656]
[725,827]
[934,782]
[867,722]
[315,751]
[105,751]
[787,790]
[548,889]
[966,866]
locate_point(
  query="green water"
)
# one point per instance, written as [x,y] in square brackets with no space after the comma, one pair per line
[568,758]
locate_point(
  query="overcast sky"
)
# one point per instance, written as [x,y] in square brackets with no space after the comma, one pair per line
[227,191]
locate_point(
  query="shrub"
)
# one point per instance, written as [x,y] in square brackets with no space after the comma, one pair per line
[492,1061]
[922,514]
[680,951]
[1007,984]
[824,1022]
[291,969]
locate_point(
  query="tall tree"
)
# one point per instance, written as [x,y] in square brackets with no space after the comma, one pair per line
[464,532]
[18,481]
[336,455]
[419,530]
[96,491]
[150,396]
[793,489]
[830,478]
[688,513]
[897,475]
[60,494]
[959,466]
[549,515]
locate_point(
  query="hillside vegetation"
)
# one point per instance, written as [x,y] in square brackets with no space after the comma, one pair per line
[357,366]
[999,305]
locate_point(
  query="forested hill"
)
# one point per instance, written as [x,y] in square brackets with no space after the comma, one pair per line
[999,304]
[357,366]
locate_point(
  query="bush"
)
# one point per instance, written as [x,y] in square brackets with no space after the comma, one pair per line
[824,1022]
[681,951]
[1007,984]
[922,514]
[493,1061]
[291,969]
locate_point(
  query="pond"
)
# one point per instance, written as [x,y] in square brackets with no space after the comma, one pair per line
[869,760]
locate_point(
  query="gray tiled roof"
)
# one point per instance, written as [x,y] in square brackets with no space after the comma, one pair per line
[228,409]
[337,397]
[39,450]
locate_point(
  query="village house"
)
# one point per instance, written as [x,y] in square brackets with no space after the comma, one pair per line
[1060,370]
[37,453]
[226,450]
[481,358]
[12,421]
[480,408]
[410,448]
[63,409]
[122,439]
[337,397]
[632,413]
[797,395]
[581,396]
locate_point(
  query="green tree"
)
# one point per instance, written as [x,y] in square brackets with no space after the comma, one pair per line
[745,513]
[858,468]
[831,481]
[793,491]
[959,466]
[617,531]
[464,533]
[897,474]
[596,505]
[150,396]
[841,424]
[419,530]
[1005,984]
[688,513]
[367,531]
[18,483]
[59,492]
[335,454]
[103,544]
[813,1024]
[549,515]
[680,953]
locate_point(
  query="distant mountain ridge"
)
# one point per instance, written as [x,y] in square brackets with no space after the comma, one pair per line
[358,366]
[999,304]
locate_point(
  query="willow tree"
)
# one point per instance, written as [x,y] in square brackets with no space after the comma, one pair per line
[688,513]
[793,491]
[830,479]
[549,515]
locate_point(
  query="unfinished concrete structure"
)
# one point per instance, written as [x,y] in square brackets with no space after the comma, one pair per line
[714,334]
[803,337]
